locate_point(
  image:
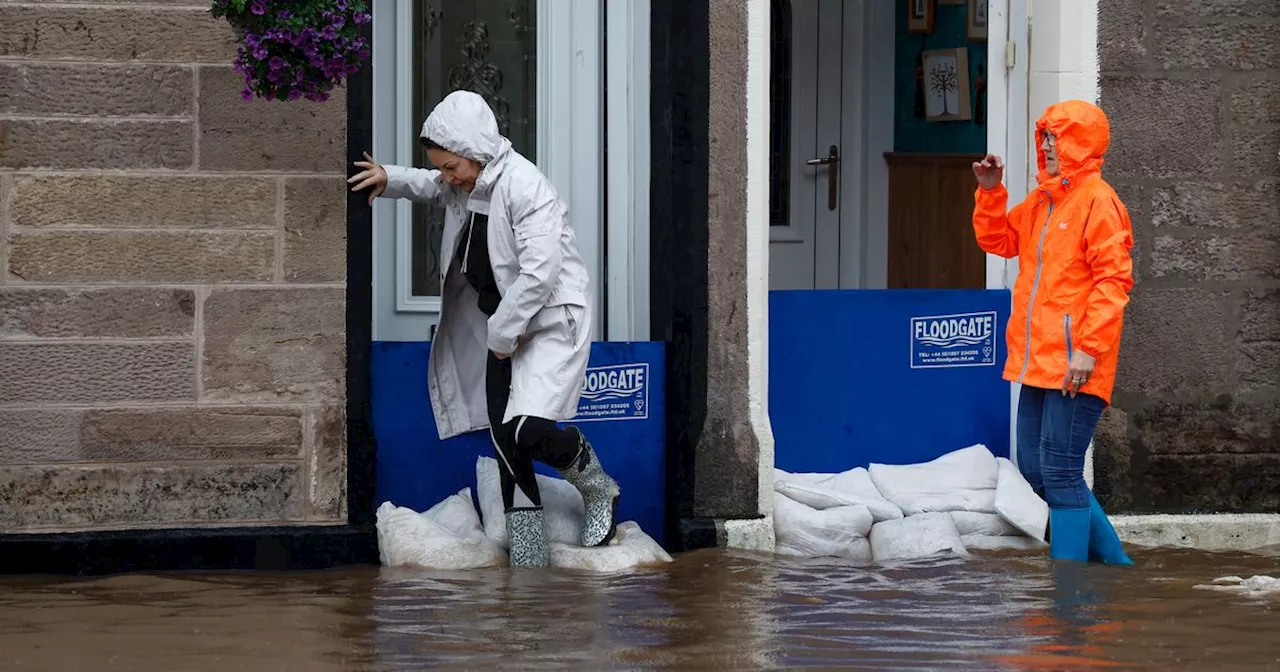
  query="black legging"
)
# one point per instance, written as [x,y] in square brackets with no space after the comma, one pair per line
[525,439]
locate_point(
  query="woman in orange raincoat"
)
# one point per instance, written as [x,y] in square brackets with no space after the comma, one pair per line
[1072,238]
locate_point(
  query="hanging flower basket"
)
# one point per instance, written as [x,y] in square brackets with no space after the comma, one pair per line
[291,49]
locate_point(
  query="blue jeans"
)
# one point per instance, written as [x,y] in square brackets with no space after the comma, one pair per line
[1054,432]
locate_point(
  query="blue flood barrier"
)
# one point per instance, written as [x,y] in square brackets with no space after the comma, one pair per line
[887,376]
[622,412]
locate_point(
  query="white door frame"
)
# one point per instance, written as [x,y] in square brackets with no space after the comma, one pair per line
[627,171]
[570,142]
[1007,96]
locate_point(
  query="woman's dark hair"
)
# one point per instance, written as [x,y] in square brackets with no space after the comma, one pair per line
[431,144]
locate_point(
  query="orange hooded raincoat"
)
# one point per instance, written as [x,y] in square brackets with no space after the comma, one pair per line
[1072,238]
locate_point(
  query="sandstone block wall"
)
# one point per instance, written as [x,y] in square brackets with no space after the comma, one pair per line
[172,267]
[1192,88]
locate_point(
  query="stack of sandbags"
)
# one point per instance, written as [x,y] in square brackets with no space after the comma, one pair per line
[847,488]
[565,516]
[964,500]
[990,504]
[451,534]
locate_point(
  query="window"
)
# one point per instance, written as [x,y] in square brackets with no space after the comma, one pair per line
[486,46]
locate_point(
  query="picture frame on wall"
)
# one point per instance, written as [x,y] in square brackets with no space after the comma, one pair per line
[920,14]
[976,20]
[946,85]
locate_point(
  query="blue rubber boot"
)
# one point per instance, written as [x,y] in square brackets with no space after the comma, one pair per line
[1070,537]
[1104,543]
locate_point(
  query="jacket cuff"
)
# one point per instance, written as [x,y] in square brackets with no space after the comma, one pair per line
[500,345]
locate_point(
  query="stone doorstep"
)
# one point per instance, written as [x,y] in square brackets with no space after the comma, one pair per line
[1205,532]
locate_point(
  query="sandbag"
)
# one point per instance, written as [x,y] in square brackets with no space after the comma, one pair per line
[630,549]
[990,524]
[820,496]
[987,542]
[801,530]
[446,536]
[855,481]
[1018,503]
[962,480]
[858,550]
[561,504]
[917,536]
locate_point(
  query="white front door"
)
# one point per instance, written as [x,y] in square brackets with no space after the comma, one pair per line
[538,63]
[828,196]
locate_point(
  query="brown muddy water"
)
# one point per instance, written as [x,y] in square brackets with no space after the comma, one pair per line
[710,610]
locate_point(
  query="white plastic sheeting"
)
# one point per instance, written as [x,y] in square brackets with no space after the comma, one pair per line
[446,536]
[452,534]
[1254,586]
[965,500]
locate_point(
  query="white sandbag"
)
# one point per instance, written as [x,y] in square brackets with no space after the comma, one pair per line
[962,480]
[823,497]
[855,481]
[456,513]
[447,536]
[990,524]
[1018,503]
[630,549]
[986,542]
[858,550]
[801,530]
[981,501]
[919,536]
[561,505]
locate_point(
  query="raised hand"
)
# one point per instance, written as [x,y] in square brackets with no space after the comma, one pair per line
[372,176]
[989,171]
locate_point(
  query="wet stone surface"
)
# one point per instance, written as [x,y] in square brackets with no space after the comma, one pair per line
[710,610]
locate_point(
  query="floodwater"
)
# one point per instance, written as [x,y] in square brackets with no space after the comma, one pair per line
[710,610]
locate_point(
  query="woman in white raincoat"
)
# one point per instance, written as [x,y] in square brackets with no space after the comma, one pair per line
[510,351]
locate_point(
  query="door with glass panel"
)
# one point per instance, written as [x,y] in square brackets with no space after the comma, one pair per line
[423,51]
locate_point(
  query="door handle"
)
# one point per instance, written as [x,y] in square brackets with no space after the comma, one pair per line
[832,161]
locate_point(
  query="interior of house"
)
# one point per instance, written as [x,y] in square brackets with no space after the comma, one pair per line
[878,109]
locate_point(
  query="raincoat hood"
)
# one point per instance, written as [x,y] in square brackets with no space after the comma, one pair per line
[1083,135]
[463,123]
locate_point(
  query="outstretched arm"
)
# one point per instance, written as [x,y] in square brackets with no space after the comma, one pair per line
[415,184]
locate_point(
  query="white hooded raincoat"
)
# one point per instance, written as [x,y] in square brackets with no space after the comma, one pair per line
[544,318]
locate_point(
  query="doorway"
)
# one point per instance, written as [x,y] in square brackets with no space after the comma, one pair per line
[869,189]
[832,118]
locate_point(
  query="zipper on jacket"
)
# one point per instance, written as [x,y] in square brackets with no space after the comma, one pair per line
[1066,327]
[1031,302]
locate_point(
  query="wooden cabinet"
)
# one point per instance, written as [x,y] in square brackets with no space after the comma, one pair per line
[931,242]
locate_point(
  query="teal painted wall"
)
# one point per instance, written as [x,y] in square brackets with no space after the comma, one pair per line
[912,134]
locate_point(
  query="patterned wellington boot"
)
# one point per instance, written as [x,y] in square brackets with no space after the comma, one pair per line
[527,538]
[599,494]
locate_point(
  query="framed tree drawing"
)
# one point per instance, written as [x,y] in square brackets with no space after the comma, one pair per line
[946,85]
[920,16]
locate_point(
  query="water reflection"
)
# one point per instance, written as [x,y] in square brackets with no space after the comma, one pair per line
[710,610]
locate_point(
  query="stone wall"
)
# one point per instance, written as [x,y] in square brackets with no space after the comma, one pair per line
[172,336]
[1192,88]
